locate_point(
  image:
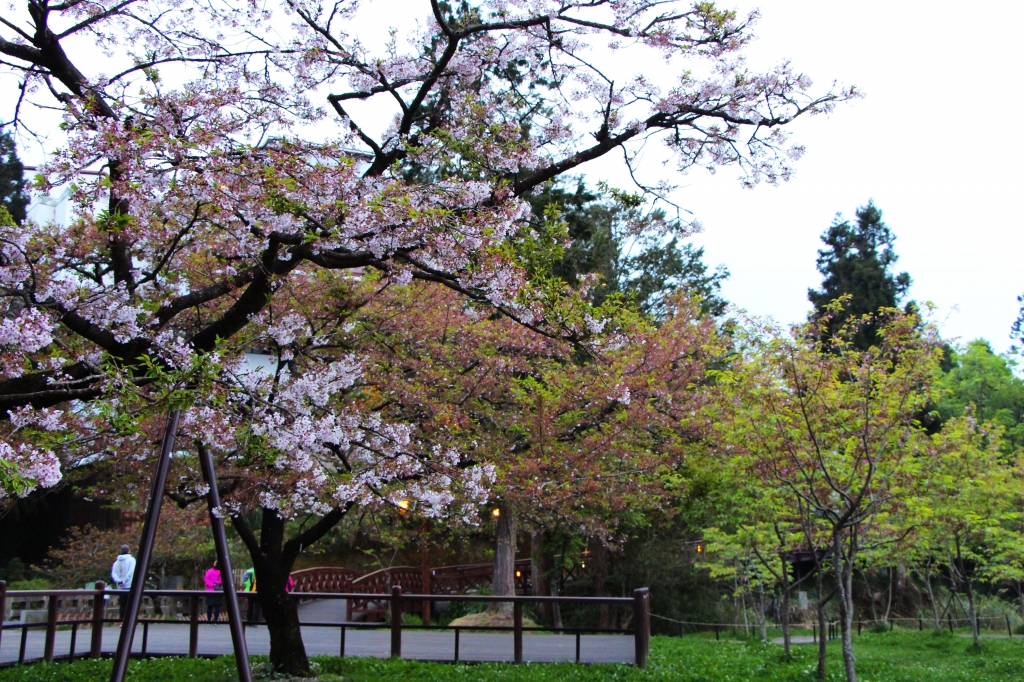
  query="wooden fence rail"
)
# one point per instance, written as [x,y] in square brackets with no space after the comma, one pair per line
[397,602]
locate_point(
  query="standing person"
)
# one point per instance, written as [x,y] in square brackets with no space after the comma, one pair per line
[214,583]
[122,572]
[249,586]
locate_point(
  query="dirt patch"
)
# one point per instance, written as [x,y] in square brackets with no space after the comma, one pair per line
[489,620]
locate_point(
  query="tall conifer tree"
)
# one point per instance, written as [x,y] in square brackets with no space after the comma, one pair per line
[857,261]
[12,181]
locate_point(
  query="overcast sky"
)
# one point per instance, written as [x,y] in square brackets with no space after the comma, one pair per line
[927,143]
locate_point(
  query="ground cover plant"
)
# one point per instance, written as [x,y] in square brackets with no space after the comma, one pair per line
[890,656]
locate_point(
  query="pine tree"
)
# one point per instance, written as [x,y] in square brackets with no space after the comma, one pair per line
[12,182]
[647,269]
[856,262]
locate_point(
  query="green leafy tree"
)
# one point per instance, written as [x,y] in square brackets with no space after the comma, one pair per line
[12,181]
[968,505]
[985,380]
[857,262]
[833,429]
[634,250]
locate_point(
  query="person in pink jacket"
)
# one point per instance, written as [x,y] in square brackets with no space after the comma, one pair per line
[214,583]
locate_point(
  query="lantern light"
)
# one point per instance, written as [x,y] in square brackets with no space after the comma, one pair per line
[404,505]
[496,512]
[519,574]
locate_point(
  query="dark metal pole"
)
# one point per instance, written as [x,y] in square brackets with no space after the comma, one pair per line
[156,496]
[396,621]
[224,559]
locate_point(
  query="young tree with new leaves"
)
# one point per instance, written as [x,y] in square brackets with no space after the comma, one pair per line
[834,428]
[227,210]
[969,505]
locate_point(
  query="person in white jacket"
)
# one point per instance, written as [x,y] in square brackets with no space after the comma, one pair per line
[122,572]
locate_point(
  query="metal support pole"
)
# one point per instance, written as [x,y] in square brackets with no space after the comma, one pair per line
[98,607]
[74,638]
[224,560]
[156,496]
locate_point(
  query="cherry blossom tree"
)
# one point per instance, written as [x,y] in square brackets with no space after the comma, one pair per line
[582,444]
[222,182]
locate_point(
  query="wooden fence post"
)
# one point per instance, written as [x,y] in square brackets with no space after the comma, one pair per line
[51,627]
[517,631]
[641,625]
[99,605]
[396,621]
[193,625]
[3,606]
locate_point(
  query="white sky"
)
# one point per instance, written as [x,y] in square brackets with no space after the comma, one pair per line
[927,143]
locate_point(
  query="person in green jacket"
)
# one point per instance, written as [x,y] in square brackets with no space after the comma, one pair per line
[249,585]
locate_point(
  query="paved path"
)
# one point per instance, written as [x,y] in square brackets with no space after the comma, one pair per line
[416,644]
[796,639]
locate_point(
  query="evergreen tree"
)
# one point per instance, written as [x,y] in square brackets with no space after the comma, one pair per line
[856,262]
[648,269]
[12,182]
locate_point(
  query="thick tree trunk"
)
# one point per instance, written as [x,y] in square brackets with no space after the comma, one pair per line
[504,581]
[843,568]
[273,558]
[287,651]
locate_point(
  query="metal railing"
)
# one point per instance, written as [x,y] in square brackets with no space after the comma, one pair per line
[396,601]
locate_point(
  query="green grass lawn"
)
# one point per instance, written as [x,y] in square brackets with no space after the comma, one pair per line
[882,657]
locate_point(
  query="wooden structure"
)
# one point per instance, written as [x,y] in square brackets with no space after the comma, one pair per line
[394,600]
[444,580]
